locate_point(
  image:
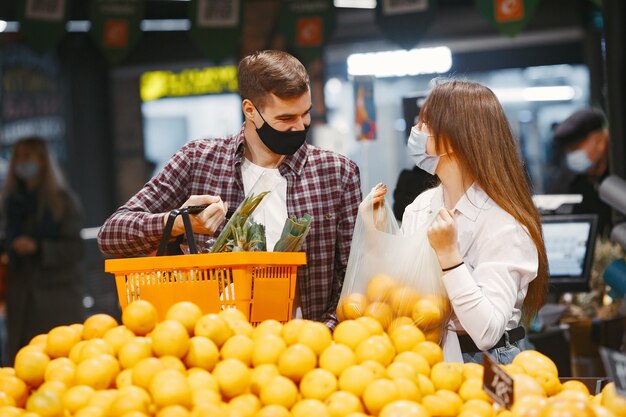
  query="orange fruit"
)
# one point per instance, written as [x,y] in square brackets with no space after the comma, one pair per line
[291,330]
[355,378]
[96,372]
[318,384]
[431,351]
[145,370]
[172,362]
[268,326]
[353,306]
[350,333]
[202,353]
[15,388]
[453,400]
[533,362]
[60,341]
[404,408]
[134,350]
[170,337]
[97,325]
[375,348]
[380,287]
[406,337]
[30,366]
[336,357]
[447,375]
[472,389]
[267,348]
[273,411]
[140,317]
[575,385]
[564,408]
[261,376]
[117,336]
[240,327]
[612,400]
[407,389]
[244,405]
[472,370]
[296,361]
[92,348]
[417,361]
[315,335]
[10,411]
[549,381]
[380,311]
[400,370]
[77,397]
[372,325]
[426,314]
[378,394]
[61,369]
[233,377]
[342,403]
[213,327]
[478,408]
[201,379]
[425,385]
[174,410]
[124,378]
[524,385]
[279,391]
[45,403]
[402,299]
[433,335]
[239,347]
[186,313]
[399,321]
[309,407]
[129,399]
[39,340]
[170,387]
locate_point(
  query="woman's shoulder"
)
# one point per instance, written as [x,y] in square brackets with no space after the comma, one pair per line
[422,201]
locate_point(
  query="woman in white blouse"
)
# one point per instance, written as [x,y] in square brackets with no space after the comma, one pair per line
[486,230]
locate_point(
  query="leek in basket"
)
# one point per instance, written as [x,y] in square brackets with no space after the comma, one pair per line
[293,234]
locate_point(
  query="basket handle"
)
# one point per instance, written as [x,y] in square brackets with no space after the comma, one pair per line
[184,213]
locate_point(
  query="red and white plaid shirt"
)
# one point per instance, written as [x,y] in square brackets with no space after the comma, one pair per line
[319,182]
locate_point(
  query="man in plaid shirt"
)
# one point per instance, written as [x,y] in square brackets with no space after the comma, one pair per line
[275,90]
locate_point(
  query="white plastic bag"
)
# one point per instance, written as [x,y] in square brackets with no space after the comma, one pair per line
[393,278]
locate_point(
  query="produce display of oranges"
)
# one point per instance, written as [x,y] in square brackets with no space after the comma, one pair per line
[194,365]
[392,303]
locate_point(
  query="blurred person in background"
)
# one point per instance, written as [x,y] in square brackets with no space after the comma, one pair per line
[583,139]
[43,246]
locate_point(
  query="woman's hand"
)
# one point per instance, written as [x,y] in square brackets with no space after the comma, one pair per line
[442,235]
[207,221]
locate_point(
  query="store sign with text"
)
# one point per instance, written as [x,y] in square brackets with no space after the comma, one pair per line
[216,27]
[306,26]
[189,82]
[508,16]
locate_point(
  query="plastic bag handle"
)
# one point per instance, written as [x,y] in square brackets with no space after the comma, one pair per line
[191,243]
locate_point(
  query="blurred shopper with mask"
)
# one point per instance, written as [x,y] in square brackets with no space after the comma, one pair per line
[584,140]
[43,244]
[276,104]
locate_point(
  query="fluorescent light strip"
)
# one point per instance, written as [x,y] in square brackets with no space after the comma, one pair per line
[544,93]
[78,25]
[401,63]
[355,4]
[165,25]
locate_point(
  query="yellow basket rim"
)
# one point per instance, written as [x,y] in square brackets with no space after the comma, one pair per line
[204,260]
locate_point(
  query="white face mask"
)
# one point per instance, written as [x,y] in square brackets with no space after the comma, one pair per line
[26,170]
[578,161]
[417,151]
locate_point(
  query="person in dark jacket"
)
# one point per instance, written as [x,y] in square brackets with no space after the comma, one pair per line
[43,245]
[584,140]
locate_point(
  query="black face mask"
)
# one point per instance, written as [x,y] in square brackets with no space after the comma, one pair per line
[279,142]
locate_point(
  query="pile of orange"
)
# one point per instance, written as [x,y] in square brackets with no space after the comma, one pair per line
[391,302]
[199,365]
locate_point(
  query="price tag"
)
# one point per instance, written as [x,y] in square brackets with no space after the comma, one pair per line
[497,383]
[615,367]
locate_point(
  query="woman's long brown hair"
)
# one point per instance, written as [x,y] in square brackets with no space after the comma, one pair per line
[468,118]
[50,183]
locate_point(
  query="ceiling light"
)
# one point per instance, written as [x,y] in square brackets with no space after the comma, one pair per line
[401,63]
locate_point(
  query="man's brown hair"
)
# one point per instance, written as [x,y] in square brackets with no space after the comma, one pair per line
[271,72]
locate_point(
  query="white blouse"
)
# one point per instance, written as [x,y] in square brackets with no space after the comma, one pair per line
[501,259]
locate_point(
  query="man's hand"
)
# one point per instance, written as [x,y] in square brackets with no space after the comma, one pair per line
[442,235]
[24,245]
[207,221]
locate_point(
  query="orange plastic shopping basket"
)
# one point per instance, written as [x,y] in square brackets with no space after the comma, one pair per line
[260,284]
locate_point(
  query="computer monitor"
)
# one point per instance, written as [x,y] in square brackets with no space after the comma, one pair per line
[570,243]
